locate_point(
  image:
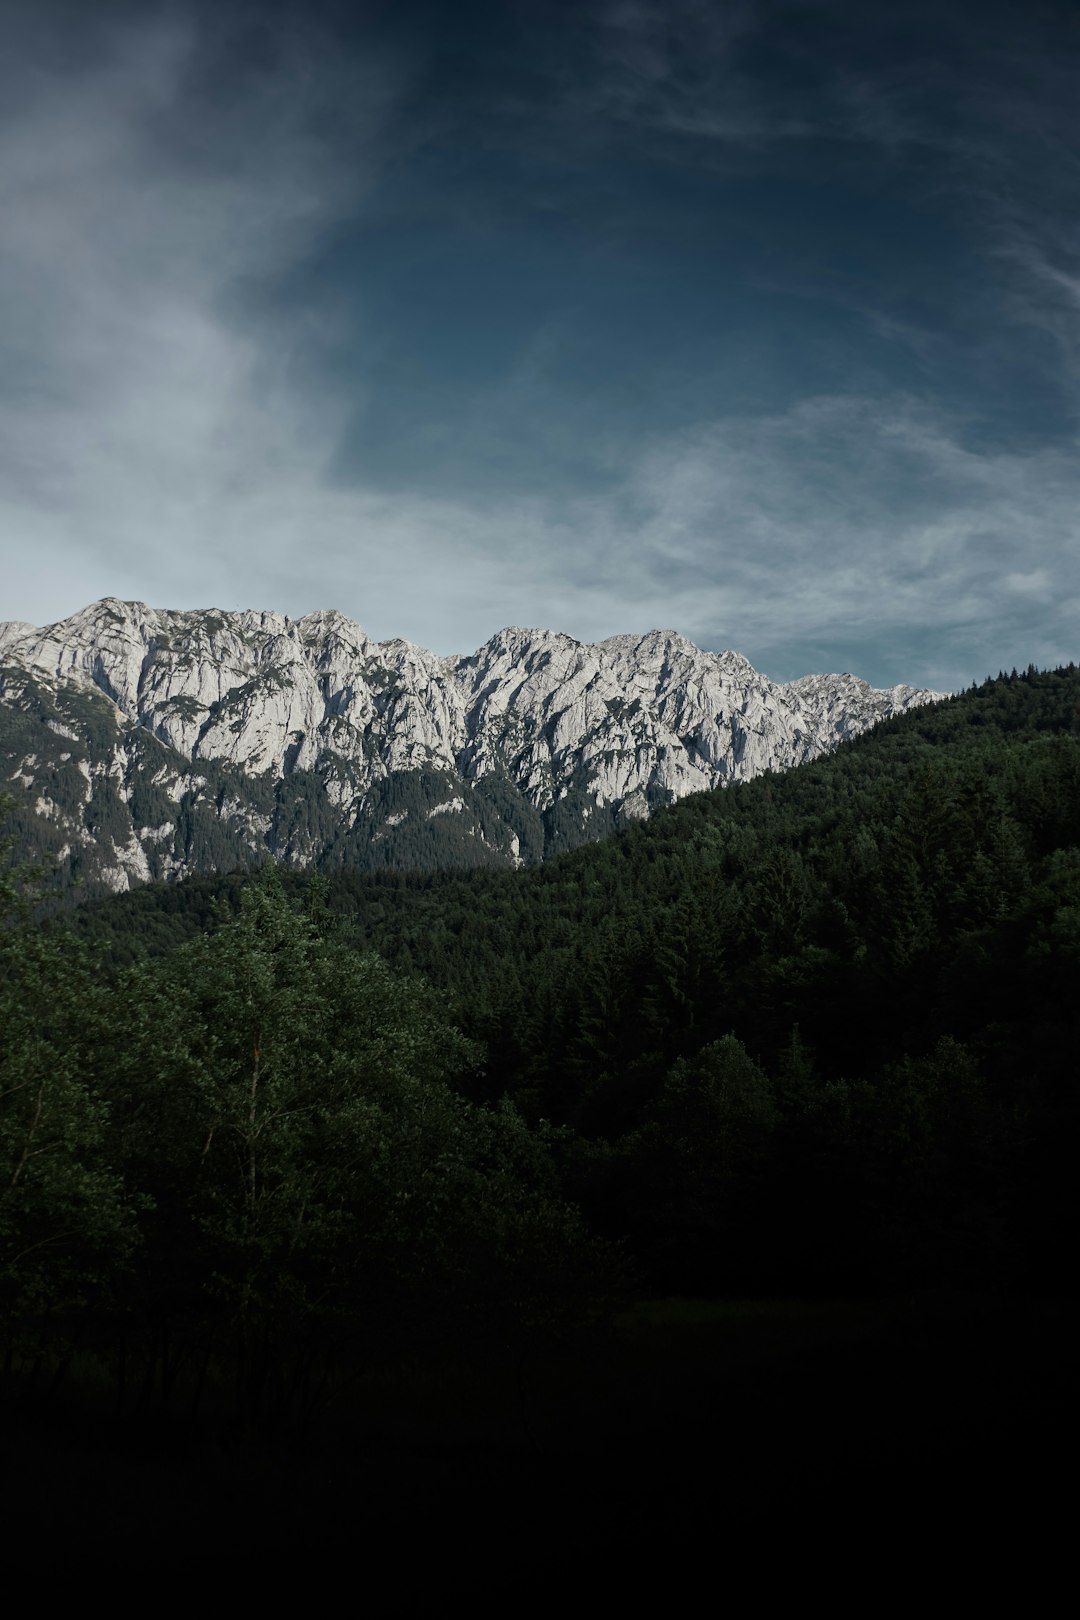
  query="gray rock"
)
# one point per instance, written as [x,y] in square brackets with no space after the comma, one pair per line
[624,725]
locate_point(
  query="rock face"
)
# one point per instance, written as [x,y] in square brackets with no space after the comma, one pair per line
[143,744]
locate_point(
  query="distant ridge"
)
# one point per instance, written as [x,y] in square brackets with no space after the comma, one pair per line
[144,744]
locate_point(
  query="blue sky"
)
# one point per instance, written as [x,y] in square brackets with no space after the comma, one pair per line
[756,321]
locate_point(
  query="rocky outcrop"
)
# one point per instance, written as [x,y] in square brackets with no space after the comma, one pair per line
[154,743]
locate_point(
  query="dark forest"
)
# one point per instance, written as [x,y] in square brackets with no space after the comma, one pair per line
[748,1131]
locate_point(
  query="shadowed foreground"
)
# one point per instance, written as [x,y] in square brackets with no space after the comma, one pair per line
[691,1430]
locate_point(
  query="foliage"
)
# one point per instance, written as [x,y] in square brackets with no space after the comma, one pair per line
[814,1033]
[276,1113]
[66,1222]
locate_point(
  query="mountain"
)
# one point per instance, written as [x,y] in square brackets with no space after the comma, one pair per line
[143,744]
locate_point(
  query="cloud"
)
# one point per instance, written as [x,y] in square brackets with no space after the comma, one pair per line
[861,523]
[143,406]
[170,430]
[846,532]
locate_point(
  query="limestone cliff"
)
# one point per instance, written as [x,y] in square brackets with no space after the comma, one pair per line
[144,744]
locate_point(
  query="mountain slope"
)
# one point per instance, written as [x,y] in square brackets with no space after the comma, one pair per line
[818,1031]
[144,745]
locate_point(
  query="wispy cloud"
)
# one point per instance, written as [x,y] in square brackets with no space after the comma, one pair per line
[143,407]
[856,523]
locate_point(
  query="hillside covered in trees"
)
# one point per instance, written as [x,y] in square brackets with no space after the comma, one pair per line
[808,1037]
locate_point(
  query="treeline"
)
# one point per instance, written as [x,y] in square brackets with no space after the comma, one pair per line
[812,1034]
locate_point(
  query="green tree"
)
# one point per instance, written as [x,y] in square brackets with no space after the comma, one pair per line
[698,1171]
[66,1222]
[320,1190]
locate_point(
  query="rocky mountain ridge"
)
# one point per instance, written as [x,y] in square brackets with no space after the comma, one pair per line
[144,744]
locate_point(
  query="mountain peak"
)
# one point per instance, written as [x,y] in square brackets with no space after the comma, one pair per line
[570,738]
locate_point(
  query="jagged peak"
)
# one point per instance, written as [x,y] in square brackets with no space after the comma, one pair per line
[670,649]
[332,620]
[15,629]
[233,618]
[399,644]
[648,638]
[803,682]
[265,696]
[514,640]
[834,684]
[515,634]
[109,608]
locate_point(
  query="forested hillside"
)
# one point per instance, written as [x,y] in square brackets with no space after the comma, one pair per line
[808,1037]
[846,991]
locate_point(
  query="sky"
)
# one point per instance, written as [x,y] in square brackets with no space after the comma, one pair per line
[755,321]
